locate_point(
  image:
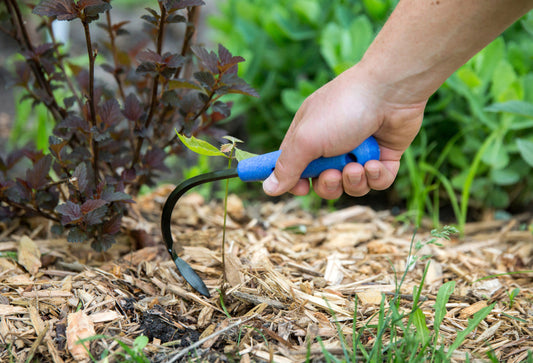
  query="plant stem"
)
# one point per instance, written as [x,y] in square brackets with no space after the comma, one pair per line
[115,55]
[92,105]
[155,85]
[192,18]
[225,219]
[25,42]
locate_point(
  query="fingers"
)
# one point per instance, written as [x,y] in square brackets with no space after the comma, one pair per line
[356,180]
[329,184]
[378,175]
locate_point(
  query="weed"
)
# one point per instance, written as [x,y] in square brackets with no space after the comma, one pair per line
[404,336]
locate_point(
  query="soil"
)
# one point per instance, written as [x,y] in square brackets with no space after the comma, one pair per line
[290,276]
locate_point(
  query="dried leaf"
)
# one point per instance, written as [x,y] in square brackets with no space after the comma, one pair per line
[29,255]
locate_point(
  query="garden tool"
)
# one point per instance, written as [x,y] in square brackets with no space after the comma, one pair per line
[256,168]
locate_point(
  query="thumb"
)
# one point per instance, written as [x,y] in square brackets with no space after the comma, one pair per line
[289,167]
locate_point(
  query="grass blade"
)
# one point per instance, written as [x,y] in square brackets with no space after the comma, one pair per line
[472,324]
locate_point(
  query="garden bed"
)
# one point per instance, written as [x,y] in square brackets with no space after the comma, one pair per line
[292,277]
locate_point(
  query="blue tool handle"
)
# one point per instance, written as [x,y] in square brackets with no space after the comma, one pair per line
[260,167]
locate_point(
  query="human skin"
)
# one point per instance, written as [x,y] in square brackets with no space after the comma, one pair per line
[420,46]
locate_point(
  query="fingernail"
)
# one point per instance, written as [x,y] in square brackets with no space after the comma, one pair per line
[332,185]
[270,185]
[354,179]
[373,174]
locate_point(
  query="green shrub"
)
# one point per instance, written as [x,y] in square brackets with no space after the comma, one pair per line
[475,148]
[292,48]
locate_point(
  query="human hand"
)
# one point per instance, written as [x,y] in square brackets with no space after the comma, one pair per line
[334,120]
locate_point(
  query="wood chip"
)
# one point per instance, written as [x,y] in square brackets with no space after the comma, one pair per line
[29,255]
[472,309]
[80,326]
[371,297]
[11,310]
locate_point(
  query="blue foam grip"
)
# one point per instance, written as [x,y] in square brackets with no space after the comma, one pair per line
[260,167]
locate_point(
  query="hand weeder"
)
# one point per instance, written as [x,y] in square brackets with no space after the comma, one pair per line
[253,169]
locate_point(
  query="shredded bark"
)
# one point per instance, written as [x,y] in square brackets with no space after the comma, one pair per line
[294,276]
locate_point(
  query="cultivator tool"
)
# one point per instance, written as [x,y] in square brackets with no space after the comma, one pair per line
[256,168]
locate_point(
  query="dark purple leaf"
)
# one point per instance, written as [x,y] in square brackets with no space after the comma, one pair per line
[112,226]
[70,212]
[110,113]
[176,18]
[155,159]
[103,243]
[170,98]
[56,146]
[61,9]
[173,5]
[80,178]
[237,85]
[150,19]
[74,122]
[132,108]
[128,174]
[206,79]
[149,56]
[37,176]
[223,108]
[146,67]
[95,216]
[173,60]
[76,235]
[92,204]
[18,193]
[226,58]
[112,196]
[208,59]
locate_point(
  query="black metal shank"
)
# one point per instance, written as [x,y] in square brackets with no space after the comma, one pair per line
[166,216]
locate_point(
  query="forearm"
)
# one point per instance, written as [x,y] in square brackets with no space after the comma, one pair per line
[425,41]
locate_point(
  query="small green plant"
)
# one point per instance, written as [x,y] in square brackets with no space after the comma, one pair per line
[398,336]
[228,150]
[512,295]
[133,354]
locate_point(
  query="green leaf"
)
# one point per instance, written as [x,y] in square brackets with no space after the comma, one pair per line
[526,150]
[496,154]
[472,324]
[199,146]
[140,342]
[502,81]
[241,154]
[515,107]
[232,139]
[504,176]
[443,296]
[422,331]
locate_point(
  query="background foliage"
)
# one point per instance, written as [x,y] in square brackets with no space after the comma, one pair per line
[475,150]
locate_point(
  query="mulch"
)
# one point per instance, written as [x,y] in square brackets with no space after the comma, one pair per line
[290,277]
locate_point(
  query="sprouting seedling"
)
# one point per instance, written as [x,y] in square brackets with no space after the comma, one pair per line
[228,150]
[512,295]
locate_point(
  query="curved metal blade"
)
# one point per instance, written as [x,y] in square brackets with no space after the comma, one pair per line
[184,268]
